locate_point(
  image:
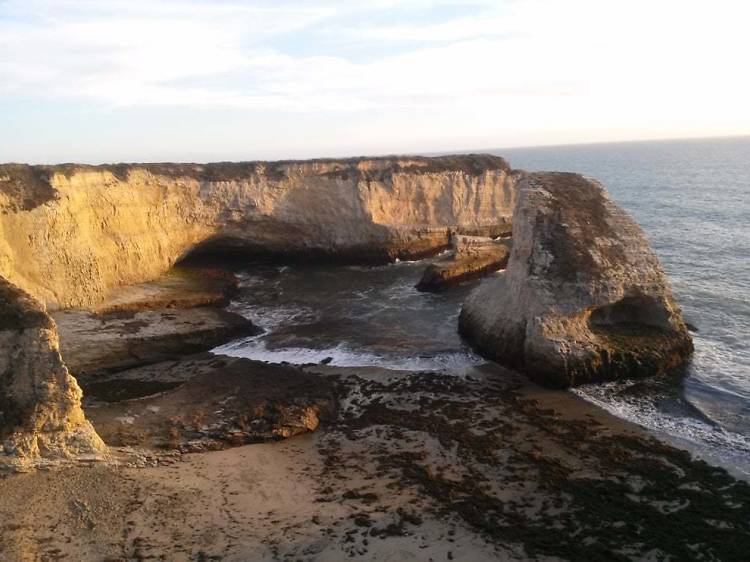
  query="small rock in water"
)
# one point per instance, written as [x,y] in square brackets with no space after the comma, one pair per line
[326,361]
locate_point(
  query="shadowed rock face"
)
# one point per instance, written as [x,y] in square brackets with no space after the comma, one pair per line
[40,402]
[70,234]
[583,298]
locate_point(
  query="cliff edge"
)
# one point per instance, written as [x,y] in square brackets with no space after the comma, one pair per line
[71,233]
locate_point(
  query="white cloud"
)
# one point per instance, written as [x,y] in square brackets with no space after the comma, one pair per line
[484,66]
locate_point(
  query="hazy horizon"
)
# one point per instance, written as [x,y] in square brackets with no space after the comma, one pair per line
[484,150]
[192,80]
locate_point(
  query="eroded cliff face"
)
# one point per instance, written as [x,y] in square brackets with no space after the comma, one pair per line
[583,298]
[69,234]
[40,402]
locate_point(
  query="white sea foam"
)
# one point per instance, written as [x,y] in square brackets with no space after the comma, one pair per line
[704,440]
[400,294]
[270,318]
[255,348]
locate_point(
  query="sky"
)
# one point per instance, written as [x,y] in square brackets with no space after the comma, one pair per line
[192,80]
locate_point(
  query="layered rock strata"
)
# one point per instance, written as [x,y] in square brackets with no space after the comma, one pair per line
[583,298]
[180,287]
[40,402]
[93,344]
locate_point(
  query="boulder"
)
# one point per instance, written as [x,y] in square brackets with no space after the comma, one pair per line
[583,298]
[207,402]
[40,402]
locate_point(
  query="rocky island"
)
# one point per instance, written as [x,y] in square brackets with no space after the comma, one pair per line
[583,298]
[104,287]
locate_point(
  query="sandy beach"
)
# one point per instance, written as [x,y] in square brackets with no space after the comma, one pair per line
[412,466]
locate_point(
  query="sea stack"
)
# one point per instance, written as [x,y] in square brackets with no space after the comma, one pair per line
[583,298]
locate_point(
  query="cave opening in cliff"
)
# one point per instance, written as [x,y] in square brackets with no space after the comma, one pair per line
[630,311]
[236,251]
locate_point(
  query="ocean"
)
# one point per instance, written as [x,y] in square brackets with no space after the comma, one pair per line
[692,199]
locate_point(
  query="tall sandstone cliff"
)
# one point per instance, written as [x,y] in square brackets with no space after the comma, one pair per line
[71,233]
[583,298]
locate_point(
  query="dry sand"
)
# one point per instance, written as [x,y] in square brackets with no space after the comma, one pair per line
[414,466]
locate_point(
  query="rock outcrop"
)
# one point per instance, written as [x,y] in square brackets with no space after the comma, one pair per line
[583,298]
[208,402]
[40,402]
[181,287]
[473,257]
[93,344]
[70,234]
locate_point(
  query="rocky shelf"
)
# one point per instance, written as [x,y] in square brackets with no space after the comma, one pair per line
[472,257]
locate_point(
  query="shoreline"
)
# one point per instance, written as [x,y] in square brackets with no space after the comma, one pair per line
[699,439]
[221,458]
[413,465]
[204,288]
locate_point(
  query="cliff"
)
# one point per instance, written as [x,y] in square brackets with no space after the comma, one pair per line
[69,234]
[583,297]
[40,402]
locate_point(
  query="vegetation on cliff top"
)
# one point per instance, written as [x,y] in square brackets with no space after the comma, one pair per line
[21,177]
[24,187]
[19,311]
